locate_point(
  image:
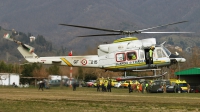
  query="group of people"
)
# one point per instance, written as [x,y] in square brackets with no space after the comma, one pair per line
[105,86]
[20,85]
[145,87]
[138,87]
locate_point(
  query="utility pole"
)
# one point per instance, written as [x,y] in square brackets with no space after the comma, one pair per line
[179,71]
[70,54]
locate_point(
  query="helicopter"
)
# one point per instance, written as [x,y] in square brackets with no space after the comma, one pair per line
[116,56]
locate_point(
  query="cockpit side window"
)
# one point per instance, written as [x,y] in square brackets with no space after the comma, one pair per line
[131,56]
[159,53]
[120,57]
[167,51]
[163,54]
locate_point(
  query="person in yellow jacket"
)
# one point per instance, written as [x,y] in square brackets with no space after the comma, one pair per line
[133,57]
[105,85]
[151,55]
[146,87]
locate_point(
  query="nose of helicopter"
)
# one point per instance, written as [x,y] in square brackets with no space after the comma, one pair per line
[182,60]
[177,58]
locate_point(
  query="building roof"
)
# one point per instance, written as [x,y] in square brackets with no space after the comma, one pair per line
[190,71]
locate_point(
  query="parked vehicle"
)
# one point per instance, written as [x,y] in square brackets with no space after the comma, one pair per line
[180,86]
[197,89]
[113,82]
[90,83]
[117,85]
[83,84]
[174,89]
[171,89]
[157,86]
[65,82]
[54,82]
[69,82]
[126,83]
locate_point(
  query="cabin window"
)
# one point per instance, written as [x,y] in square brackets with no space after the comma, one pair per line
[120,57]
[131,56]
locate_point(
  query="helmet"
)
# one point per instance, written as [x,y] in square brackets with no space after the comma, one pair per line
[152,47]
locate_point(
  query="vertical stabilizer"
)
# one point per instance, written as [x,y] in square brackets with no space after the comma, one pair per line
[27,51]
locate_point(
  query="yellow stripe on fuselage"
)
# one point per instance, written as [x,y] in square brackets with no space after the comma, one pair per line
[158,62]
[67,62]
[127,65]
[125,39]
[132,65]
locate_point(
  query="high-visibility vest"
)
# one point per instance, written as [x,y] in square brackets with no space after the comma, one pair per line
[147,84]
[138,87]
[150,53]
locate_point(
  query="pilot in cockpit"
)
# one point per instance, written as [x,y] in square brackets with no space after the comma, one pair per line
[133,56]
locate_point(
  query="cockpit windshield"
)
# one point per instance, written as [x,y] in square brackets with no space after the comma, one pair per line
[167,51]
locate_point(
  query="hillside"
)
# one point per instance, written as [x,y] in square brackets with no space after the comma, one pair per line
[42,18]
[9,52]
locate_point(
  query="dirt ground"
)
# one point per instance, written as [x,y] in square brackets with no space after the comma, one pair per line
[88,99]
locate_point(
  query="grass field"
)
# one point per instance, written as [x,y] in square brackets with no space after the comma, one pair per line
[89,100]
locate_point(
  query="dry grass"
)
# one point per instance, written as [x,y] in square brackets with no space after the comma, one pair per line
[88,100]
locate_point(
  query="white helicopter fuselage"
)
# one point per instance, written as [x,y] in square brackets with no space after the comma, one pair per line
[114,57]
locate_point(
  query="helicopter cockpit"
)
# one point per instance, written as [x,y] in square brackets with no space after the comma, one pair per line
[161,52]
[166,50]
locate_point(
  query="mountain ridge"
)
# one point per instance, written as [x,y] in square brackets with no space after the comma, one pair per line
[42,18]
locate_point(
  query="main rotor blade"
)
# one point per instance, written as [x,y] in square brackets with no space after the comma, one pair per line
[93,28]
[124,32]
[162,26]
[99,35]
[167,32]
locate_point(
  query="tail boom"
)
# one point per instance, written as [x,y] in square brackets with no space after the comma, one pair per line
[71,61]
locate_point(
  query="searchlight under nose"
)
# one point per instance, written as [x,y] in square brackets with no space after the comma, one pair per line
[177,58]
[182,60]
